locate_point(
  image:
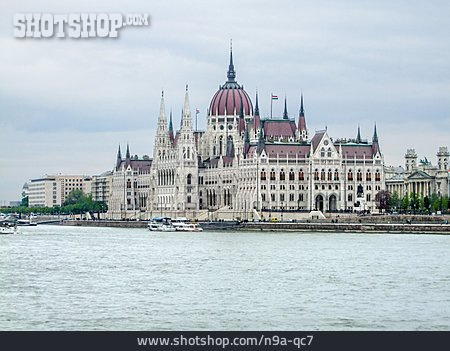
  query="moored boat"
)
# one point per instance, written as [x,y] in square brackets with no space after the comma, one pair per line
[161,224]
[8,228]
[185,225]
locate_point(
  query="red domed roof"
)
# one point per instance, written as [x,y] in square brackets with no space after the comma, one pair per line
[230,97]
[229,101]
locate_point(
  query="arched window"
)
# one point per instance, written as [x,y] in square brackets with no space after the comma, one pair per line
[189,179]
[336,174]
[282,175]
[316,174]
[350,175]
[301,175]
[329,152]
[322,175]
[330,175]
[368,176]
[359,176]
[377,175]
[291,175]
[263,175]
[322,152]
[272,174]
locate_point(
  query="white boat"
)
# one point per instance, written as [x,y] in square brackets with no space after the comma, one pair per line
[8,228]
[185,225]
[161,224]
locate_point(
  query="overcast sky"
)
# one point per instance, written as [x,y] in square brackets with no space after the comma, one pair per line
[66,104]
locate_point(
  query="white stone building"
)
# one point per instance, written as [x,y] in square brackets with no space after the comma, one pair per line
[246,166]
[423,178]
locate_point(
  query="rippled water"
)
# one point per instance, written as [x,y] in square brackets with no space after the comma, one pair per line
[68,278]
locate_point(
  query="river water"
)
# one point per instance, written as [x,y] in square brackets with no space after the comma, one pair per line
[73,278]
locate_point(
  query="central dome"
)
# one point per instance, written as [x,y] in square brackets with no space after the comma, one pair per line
[231,97]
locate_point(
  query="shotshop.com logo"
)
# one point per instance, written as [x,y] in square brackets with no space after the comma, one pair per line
[74,25]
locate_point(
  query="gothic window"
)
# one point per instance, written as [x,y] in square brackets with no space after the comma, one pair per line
[322,175]
[322,152]
[330,175]
[272,174]
[291,175]
[368,197]
[359,176]
[316,174]
[368,176]
[291,197]
[377,176]
[350,197]
[189,179]
[189,199]
[350,175]
[336,174]
[263,197]
[272,197]
[301,175]
[329,152]
[300,197]
[263,175]
[281,197]
[282,175]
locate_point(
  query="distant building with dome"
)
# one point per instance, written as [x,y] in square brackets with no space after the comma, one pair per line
[244,166]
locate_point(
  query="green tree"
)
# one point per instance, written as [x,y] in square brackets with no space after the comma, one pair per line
[74,197]
[395,202]
[405,202]
[445,203]
[427,204]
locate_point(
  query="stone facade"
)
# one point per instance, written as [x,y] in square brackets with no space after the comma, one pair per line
[52,190]
[422,178]
[246,166]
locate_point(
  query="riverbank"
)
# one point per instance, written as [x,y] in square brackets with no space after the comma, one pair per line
[364,227]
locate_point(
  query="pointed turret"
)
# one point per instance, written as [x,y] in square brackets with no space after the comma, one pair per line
[257,118]
[119,158]
[375,145]
[171,135]
[186,120]
[358,136]
[285,113]
[231,74]
[261,142]
[162,133]
[303,132]
[127,156]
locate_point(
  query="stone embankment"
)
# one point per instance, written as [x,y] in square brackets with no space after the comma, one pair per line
[359,227]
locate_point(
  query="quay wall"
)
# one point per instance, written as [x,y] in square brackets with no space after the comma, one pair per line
[418,228]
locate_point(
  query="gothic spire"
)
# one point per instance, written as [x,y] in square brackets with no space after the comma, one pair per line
[375,135]
[256,105]
[186,120]
[285,113]
[171,136]
[375,145]
[127,156]
[302,110]
[302,121]
[119,158]
[358,137]
[119,154]
[256,119]
[231,73]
